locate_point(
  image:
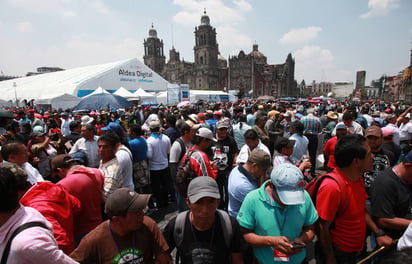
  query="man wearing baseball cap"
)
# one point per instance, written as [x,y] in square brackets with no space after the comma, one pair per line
[374,138]
[205,234]
[199,160]
[247,177]
[127,237]
[225,153]
[278,218]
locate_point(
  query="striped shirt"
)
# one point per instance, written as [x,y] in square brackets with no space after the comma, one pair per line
[312,124]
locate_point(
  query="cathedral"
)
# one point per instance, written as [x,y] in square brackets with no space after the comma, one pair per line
[248,73]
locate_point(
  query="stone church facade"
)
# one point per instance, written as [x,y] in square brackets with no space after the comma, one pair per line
[248,73]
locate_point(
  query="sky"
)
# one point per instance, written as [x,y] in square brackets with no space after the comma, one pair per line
[329,39]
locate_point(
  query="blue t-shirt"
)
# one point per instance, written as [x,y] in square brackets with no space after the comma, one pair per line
[138,147]
[257,214]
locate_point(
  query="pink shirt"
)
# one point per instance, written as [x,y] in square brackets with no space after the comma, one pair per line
[33,245]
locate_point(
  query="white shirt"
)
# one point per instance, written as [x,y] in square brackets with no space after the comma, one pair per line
[124,156]
[355,128]
[157,150]
[90,148]
[65,127]
[33,175]
[406,239]
[405,131]
[245,151]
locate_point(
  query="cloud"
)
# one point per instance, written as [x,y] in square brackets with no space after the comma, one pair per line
[59,7]
[25,26]
[312,63]
[68,14]
[78,50]
[380,7]
[231,41]
[300,35]
[215,9]
[101,7]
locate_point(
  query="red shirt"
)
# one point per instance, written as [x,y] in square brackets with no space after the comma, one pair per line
[330,149]
[347,202]
[86,185]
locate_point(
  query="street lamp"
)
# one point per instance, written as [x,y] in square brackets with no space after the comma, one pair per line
[15,93]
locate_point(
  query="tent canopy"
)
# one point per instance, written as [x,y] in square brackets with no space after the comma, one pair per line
[144,96]
[64,101]
[123,92]
[130,73]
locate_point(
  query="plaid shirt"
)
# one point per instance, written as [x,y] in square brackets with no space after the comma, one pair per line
[312,124]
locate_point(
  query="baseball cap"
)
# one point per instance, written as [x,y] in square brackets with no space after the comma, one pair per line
[387,131]
[217,113]
[284,142]
[261,158]
[205,133]
[341,126]
[202,186]
[373,131]
[112,126]
[37,134]
[124,200]
[222,123]
[154,124]
[288,181]
[60,161]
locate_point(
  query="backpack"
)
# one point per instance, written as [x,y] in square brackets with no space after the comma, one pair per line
[185,174]
[313,186]
[224,221]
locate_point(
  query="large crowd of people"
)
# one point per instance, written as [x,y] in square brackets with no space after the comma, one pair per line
[79,187]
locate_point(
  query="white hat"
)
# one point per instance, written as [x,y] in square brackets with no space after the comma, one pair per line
[86,120]
[205,133]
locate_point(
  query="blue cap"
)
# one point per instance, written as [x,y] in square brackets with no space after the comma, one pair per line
[115,127]
[288,181]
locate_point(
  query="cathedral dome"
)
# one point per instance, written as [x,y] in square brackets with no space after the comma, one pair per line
[152,32]
[256,53]
[205,20]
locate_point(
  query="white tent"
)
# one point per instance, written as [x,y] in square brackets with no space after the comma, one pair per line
[130,73]
[161,98]
[99,90]
[144,96]
[4,103]
[123,92]
[64,101]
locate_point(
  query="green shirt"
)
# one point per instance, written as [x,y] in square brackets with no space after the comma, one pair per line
[257,214]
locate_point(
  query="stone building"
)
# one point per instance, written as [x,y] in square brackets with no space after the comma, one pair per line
[248,73]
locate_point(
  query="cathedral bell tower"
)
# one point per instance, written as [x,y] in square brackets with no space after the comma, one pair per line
[153,52]
[206,53]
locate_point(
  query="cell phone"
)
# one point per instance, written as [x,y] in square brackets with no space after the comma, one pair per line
[296,245]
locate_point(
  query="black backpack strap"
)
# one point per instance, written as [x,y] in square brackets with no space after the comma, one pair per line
[318,182]
[179,228]
[182,148]
[226,227]
[15,233]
